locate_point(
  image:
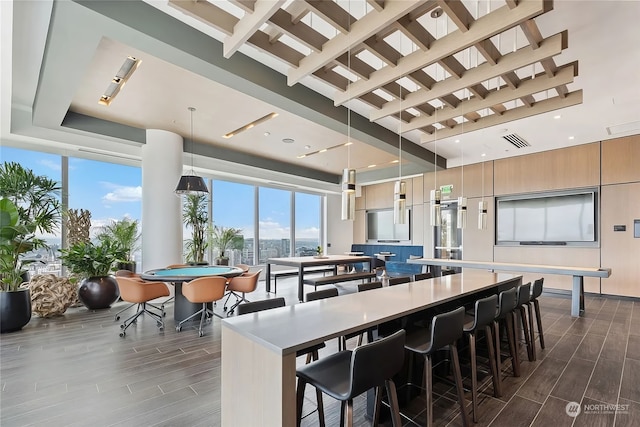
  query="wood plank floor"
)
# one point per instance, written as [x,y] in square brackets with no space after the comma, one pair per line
[75,370]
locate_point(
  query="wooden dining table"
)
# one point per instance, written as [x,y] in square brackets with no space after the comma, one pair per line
[259,349]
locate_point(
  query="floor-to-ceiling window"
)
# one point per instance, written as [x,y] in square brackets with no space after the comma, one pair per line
[109,191]
[274,217]
[307,220]
[234,206]
[42,164]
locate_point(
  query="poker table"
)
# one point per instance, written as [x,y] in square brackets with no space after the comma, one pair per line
[183,308]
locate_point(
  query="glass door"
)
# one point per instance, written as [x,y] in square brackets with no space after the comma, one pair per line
[448,237]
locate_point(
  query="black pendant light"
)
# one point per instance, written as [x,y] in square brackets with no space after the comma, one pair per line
[191,183]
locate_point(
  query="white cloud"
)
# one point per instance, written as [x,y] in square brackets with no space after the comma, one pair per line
[308,233]
[123,194]
[50,164]
[270,229]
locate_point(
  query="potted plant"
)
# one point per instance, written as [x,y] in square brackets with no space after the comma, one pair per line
[124,235]
[29,205]
[195,216]
[226,238]
[93,262]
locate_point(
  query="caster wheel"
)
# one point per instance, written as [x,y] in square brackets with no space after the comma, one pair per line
[161,328]
[164,314]
[159,325]
[121,326]
[200,333]
[224,308]
[117,318]
[178,328]
[122,334]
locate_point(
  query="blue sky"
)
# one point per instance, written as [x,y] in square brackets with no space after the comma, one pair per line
[111,192]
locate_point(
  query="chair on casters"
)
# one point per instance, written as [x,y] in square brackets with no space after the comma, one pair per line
[241,284]
[310,352]
[347,374]
[203,290]
[168,267]
[507,301]
[483,315]
[132,275]
[243,267]
[446,329]
[140,292]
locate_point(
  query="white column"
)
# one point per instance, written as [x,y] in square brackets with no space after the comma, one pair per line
[161,207]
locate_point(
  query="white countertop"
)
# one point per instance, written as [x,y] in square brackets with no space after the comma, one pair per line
[288,329]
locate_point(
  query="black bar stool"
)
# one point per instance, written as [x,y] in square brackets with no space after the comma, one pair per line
[536,291]
[446,330]
[347,374]
[524,294]
[507,301]
[484,313]
[399,280]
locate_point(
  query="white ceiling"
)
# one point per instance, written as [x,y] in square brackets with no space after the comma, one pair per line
[71,70]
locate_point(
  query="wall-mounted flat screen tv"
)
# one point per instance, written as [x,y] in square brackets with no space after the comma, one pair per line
[551,218]
[380,227]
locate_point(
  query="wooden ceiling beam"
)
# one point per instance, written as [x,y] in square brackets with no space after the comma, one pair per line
[483,28]
[458,13]
[383,50]
[377,5]
[300,31]
[279,50]
[551,104]
[207,13]
[496,97]
[249,25]
[513,61]
[331,12]
[361,30]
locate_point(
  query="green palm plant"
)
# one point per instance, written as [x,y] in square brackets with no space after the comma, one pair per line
[124,235]
[195,216]
[226,238]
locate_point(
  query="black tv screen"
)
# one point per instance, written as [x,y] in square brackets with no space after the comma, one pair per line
[380,226]
[551,218]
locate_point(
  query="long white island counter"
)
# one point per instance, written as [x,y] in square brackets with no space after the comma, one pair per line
[259,350]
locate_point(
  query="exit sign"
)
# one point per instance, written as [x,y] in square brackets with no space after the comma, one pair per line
[446,189]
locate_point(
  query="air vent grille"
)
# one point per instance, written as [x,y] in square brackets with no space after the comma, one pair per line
[516,140]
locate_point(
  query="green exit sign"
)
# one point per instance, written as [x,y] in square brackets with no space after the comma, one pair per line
[446,189]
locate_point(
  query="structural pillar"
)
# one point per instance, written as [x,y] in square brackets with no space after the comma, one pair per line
[161,207]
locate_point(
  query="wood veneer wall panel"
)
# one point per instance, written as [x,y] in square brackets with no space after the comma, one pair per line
[359,227]
[572,167]
[361,201]
[417,224]
[418,190]
[620,250]
[380,196]
[477,245]
[473,181]
[554,255]
[621,160]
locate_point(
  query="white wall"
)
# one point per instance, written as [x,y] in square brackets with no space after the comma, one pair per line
[339,233]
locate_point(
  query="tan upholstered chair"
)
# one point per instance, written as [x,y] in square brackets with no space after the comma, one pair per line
[239,286]
[132,275]
[244,267]
[137,291]
[203,290]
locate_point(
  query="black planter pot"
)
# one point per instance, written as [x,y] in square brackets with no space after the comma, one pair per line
[98,292]
[15,310]
[222,261]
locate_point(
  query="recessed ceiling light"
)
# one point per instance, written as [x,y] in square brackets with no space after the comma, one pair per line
[571,137]
[348,143]
[483,155]
[457,141]
[395,161]
[250,125]
[371,166]
[557,116]
[307,147]
[130,65]
[324,150]
[288,141]
[267,133]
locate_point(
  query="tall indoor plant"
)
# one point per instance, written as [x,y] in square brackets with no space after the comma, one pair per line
[124,235]
[226,238]
[30,205]
[196,217]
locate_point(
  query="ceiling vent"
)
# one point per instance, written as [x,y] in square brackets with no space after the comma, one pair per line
[516,140]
